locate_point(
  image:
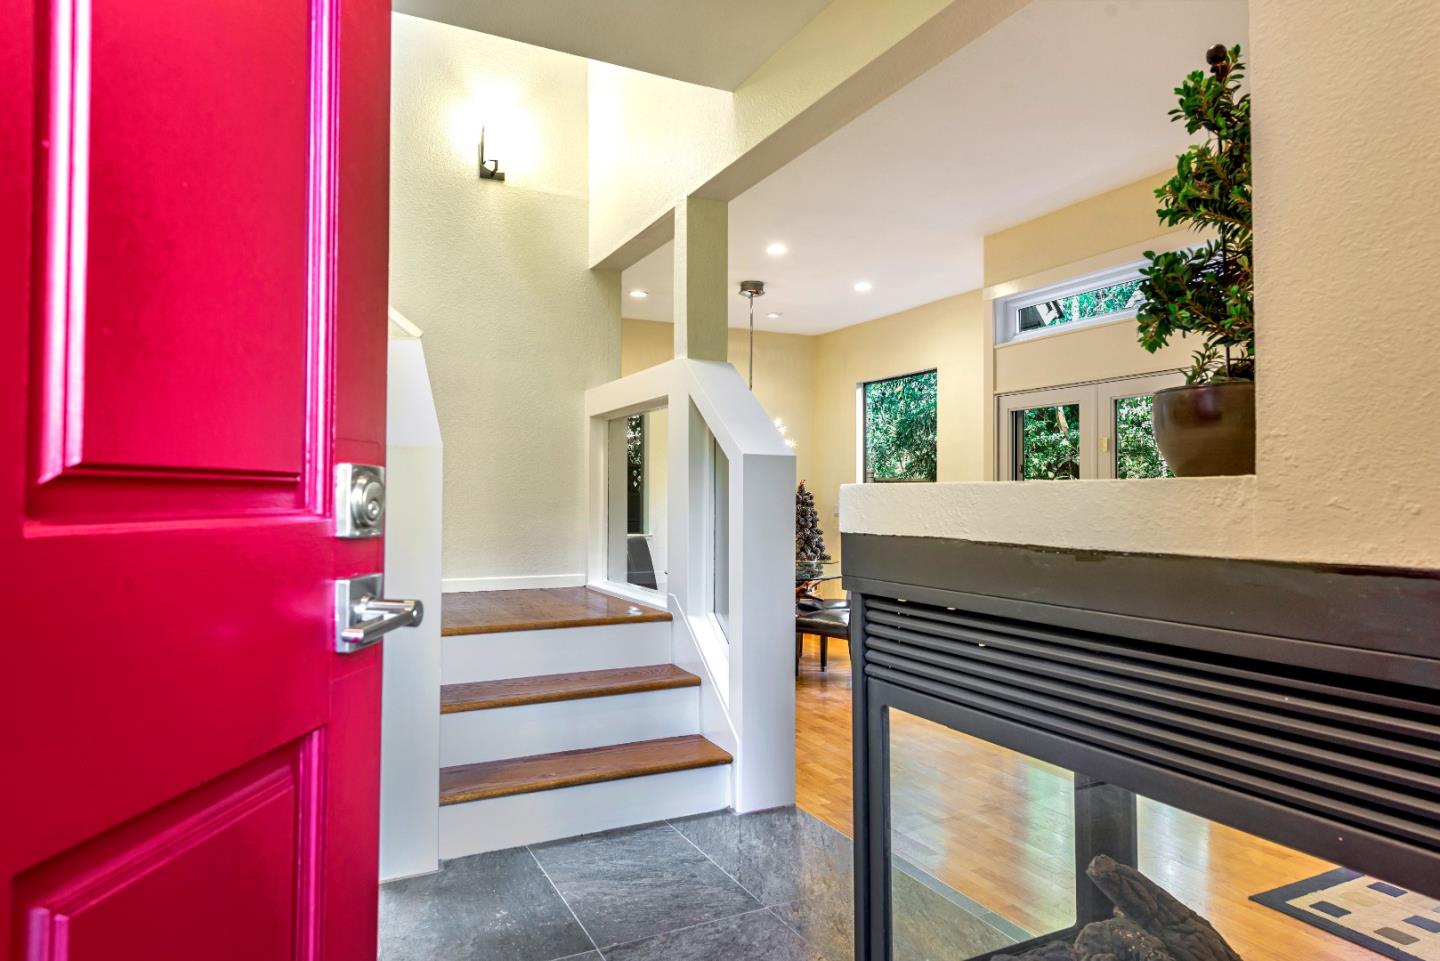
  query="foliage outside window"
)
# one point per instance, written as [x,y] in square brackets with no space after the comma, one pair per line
[900,428]
[1049,442]
[1100,302]
[1136,453]
[635,474]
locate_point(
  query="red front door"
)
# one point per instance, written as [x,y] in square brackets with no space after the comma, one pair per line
[193,202]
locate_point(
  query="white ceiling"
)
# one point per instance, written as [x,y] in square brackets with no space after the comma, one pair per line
[717,43]
[1064,100]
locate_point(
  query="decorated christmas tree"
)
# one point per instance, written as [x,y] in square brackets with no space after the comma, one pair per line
[809,539]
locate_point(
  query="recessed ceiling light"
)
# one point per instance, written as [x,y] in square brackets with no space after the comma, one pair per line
[639,294]
[774,315]
[863,287]
[777,249]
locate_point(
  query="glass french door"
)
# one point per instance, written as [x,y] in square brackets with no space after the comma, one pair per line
[1127,428]
[1082,431]
[1048,434]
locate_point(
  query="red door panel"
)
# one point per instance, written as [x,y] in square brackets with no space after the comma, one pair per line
[197,148]
[96,902]
[193,286]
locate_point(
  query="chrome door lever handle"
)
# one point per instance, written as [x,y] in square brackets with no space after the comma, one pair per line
[391,615]
[362,616]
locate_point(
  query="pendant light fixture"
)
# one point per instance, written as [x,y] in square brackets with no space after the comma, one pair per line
[750,289]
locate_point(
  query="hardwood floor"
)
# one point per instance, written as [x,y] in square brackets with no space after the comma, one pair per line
[948,786]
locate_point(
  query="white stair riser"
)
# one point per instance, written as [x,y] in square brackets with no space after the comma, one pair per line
[508,822]
[506,732]
[492,657]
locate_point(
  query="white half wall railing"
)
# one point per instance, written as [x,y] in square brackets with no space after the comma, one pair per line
[729,555]
[410,722]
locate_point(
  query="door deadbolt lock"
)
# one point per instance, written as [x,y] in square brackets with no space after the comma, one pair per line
[359,500]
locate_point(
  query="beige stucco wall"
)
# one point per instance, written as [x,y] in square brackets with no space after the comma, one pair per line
[1347,246]
[516,325]
[1347,251]
[650,137]
[1109,221]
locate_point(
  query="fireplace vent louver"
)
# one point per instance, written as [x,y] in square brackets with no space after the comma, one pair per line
[1359,754]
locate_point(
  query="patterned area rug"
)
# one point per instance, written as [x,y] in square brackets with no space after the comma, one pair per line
[1387,919]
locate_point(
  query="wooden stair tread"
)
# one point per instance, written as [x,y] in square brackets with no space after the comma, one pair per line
[545,772]
[493,612]
[545,688]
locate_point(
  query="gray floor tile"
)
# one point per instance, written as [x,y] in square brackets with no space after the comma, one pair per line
[758,936]
[648,893]
[635,883]
[496,905]
[779,856]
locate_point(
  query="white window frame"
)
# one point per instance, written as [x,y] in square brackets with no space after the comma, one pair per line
[714,534]
[613,557]
[1011,404]
[1108,392]
[1007,309]
[860,424]
[1097,418]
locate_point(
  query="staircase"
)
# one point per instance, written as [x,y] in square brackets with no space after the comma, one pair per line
[562,714]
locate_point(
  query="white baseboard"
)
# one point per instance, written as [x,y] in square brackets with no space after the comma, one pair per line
[456,585]
[417,874]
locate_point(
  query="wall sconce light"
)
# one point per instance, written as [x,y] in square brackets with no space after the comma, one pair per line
[489,169]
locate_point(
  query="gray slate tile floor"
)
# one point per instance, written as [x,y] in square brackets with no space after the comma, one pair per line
[770,886]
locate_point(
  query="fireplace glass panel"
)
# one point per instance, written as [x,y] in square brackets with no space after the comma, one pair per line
[982,843]
[988,845]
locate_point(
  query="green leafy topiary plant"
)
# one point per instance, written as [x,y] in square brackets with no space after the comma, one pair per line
[1208,291]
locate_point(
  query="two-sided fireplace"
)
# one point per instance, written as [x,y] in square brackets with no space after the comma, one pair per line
[1063,755]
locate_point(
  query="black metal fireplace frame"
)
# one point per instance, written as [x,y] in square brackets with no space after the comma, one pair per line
[1378,626]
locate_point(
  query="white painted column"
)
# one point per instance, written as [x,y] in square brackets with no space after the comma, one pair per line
[410,724]
[702,251]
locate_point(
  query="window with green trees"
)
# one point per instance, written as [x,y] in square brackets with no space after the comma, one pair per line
[635,474]
[1136,453]
[1048,442]
[900,428]
[1108,301]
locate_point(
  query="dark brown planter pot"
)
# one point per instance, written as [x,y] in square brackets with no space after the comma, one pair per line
[1208,429]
